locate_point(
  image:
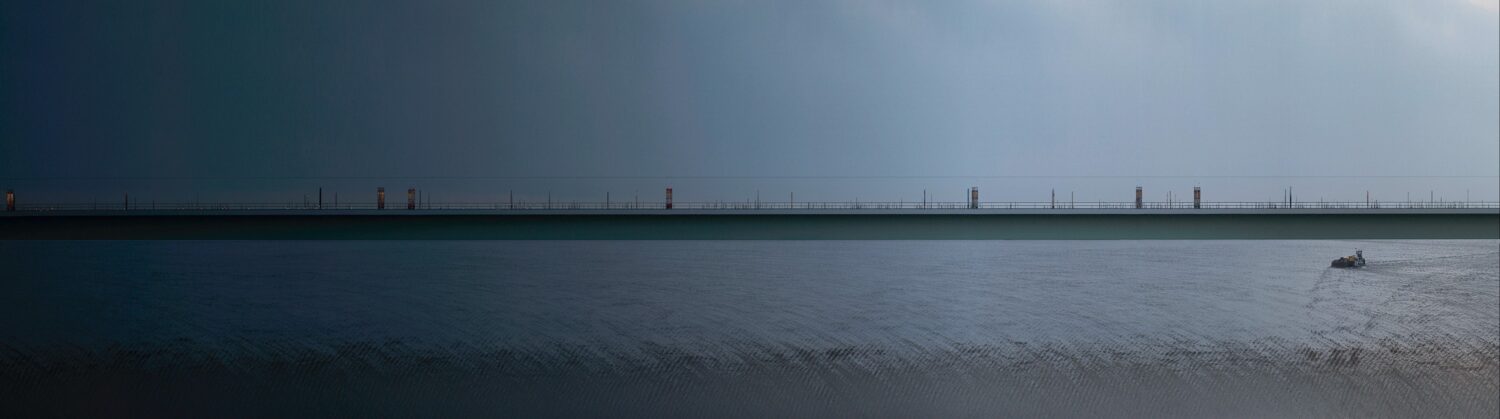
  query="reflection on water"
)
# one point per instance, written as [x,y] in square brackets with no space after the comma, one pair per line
[872,328]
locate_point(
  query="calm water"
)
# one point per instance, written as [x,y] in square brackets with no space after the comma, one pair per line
[751,328]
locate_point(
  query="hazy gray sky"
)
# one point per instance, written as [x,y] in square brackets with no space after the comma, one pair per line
[220,96]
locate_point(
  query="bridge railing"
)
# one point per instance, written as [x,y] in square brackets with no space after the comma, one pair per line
[738,205]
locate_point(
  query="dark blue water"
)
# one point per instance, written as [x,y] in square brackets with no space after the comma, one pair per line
[751,328]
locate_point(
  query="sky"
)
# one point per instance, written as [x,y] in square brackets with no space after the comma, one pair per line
[831,100]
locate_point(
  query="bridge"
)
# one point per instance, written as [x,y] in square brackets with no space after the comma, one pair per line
[759,221]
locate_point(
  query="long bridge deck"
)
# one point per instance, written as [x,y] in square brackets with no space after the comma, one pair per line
[757,224]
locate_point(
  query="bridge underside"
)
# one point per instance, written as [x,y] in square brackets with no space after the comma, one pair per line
[948,226]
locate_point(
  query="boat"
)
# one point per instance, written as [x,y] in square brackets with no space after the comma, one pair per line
[1355,261]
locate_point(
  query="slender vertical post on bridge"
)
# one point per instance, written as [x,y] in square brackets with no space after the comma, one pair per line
[320,197]
[669,198]
[127,200]
[1054,199]
[1138,197]
[974,197]
[411,198]
[10,200]
[380,198]
[1197,198]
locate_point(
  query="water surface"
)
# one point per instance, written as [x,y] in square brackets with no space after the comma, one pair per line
[650,328]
